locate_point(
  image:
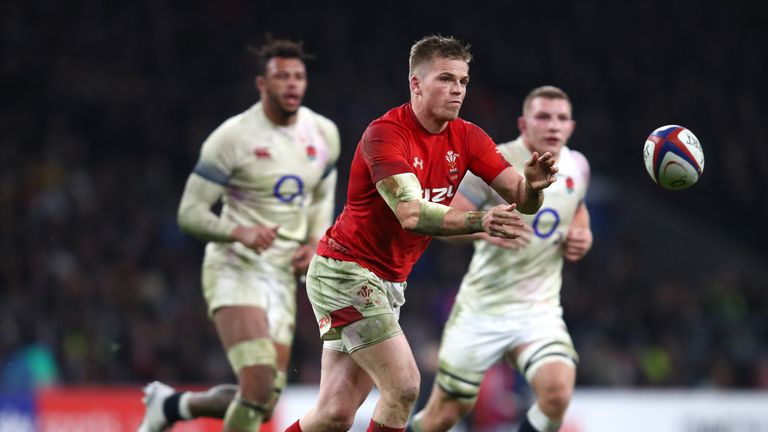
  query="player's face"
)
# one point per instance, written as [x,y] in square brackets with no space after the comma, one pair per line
[443,88]
[283,85]
[547,125]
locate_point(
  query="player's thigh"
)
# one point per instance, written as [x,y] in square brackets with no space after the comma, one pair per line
[344,385]
[544,340]
[236,324]
[470,345]
[267,297]
[343,292]
[441,404]
[390,363]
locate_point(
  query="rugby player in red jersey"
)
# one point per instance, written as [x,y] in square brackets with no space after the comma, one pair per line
[405,171]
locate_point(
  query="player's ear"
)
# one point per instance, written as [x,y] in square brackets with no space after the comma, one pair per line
[415,84]
[259,83]
[521,124]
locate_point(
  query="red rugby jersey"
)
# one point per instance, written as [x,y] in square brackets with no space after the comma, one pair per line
[367,231]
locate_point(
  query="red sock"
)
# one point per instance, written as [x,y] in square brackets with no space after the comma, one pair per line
[296,427]
[376,427]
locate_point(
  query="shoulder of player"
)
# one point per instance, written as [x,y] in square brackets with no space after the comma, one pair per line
[326,126]
[316,117]
[227,132]
[578,157]
[574,162]
[385,126]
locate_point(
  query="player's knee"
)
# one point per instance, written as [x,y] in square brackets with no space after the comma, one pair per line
[254,361]
[554,399]
[336,417]
[446,419]
[257,383]
[406,389]
[409,393]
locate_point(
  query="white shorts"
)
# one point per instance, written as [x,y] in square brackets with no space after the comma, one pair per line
[343,292]
[473,342]
[270,288]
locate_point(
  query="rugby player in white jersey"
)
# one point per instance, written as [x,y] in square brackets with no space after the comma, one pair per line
[508,306]
[273,167]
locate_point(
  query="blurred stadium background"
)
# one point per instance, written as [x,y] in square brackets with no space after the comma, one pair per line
[105,105]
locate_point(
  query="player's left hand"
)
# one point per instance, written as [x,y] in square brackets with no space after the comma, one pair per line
[302,257]
[577,243]
[540,170]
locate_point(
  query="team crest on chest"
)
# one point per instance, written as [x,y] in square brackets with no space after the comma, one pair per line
[311,152]
[451,157]
[569,184]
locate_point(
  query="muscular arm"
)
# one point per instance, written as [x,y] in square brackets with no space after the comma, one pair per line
[526,191]
[460,202]
[402,192]
[195,216]
[514,188]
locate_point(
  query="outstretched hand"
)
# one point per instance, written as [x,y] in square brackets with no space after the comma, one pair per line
[503,221]
[522,240]
[540,171]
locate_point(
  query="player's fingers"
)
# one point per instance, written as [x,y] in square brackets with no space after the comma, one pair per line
[523,238]
[534,158]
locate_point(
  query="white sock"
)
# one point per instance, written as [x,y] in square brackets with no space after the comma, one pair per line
[540,421]
[184,411]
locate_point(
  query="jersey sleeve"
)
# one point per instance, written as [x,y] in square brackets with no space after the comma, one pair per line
[321,210]
[486,162]
[383,150]
[218,156]
[331,134]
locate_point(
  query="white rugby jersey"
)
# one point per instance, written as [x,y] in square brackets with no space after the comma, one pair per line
[501,281]
[272,175]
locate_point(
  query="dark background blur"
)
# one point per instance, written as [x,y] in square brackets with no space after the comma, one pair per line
[105,106]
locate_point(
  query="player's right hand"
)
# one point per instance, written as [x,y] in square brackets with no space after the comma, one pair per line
[503,221]
[256,237]
[522,240]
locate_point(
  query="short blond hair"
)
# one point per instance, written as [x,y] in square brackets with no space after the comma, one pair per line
[436,46]
[546,92]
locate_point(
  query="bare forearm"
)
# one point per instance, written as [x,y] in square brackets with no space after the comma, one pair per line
[424,217]
[457,222]
[529,201]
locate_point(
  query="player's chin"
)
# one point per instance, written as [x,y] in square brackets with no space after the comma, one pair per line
[451,113]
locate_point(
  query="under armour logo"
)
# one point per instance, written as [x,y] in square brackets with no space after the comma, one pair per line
[418,163]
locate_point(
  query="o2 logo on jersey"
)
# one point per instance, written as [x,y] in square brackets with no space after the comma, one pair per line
[288,188]
[546,222]
[438,194]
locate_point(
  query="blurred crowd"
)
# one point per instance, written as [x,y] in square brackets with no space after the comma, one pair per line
[105,106]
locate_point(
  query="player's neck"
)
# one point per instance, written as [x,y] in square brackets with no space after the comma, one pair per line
[426,119]
[278,116]
[531,149]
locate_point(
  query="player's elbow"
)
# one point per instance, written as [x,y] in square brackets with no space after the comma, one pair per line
[184,219]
